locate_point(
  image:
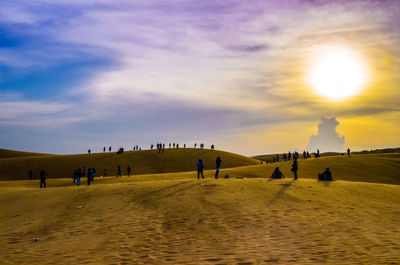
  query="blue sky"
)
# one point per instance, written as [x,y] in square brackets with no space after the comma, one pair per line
[83,74]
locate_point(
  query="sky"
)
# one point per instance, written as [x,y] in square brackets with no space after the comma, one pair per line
[86,74]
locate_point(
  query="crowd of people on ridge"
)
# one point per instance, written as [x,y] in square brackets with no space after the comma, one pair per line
[277,174]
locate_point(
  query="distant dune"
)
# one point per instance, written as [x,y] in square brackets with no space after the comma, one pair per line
[5,153]
[141,162]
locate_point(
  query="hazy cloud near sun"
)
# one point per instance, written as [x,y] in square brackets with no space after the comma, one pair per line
[327,139]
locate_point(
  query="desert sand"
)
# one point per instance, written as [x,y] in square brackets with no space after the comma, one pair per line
[185,221]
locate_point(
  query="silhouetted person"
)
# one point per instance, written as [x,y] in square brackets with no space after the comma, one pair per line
[317,154]
[89,151]
[42,179]
[151,147]
[30,174]
[326,175]
[74,175]
[200,168]
[289,156]
[184,145]
[348,151]
[212,147]
[78,177]
[109,149]
[89,176]
[105,172]
[295,167]
[119,171]
[104,149]
[129,171]
[83,172]
[169,145]
[195,145]
[218,166]
[277,174]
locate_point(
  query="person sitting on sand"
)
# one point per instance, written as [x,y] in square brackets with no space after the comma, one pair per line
[326,175]
[295,167]
[200,168]
[42,179]
[218,165]
[277,174]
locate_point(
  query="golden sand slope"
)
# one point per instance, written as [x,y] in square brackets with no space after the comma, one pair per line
[5,153]
[235,221]
[141,162]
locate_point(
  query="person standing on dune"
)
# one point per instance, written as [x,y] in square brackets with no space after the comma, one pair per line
[78,177]
[295,167]
[42,179]
[200,168]
[218,165]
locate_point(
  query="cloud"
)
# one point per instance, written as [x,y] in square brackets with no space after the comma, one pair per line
[327,139]
[190,59]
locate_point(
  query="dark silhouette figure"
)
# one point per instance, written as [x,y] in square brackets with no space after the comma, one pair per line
[177,146]
[129,171]
[42,179]
[277,174]
[317,154]
[89,176]
[89,151]
[78,177]
[119,174]
[104,149]
[105,172]
[109,149]
[295,167]
[201,146]
[200,168]
[83,172]
[74,175]
[30,174]
[212,147]
[348,152]
[195,145]
[326,175]
[151,147]
[218,166]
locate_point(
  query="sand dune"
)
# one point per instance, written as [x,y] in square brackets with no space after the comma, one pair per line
[141,162]
[235,221]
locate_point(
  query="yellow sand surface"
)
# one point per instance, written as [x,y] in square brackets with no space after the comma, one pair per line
[176,219]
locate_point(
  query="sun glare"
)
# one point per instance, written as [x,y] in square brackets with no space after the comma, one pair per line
[337,73]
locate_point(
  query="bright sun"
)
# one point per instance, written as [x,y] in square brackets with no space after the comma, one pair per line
[337,73]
